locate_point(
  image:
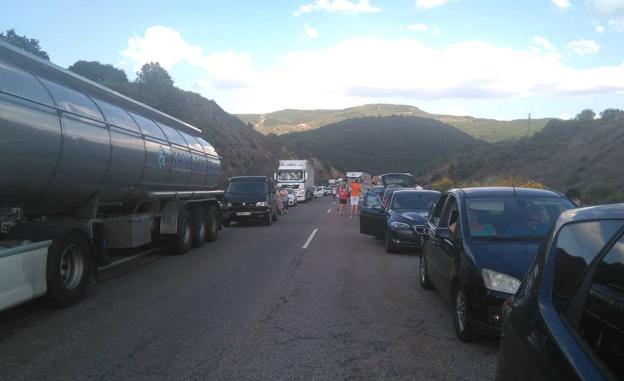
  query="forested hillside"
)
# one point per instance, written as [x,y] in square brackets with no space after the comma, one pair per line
[383,144]
[584,154]
[490,130]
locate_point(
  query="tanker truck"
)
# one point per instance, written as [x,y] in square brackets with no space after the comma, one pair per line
[84,170]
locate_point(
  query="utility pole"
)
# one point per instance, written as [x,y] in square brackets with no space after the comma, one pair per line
[529,126]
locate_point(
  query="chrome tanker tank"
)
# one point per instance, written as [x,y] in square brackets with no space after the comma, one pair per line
[65,140]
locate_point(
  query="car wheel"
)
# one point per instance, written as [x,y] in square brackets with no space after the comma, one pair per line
[390,246]
[461,320]
[425,282]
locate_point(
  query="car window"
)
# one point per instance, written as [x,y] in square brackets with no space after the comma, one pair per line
[438,207]
[450,214]
[371,199]
[602,316]
[513,217]
[576,247]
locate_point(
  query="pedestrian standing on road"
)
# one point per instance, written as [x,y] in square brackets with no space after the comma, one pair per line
[355,197]
[574,196]
[284,196]
[343,196]
[278,203]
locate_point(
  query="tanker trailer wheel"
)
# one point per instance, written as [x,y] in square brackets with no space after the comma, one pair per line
[212,232]
[69,267]
[181,242]
[200,226]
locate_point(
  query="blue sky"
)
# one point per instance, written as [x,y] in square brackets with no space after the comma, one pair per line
[497,59]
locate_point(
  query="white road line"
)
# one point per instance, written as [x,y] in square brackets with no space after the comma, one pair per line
[124,260]
[328,210]
[310,238]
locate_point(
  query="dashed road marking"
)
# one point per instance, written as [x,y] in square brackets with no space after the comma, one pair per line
[310,238]
[328,210]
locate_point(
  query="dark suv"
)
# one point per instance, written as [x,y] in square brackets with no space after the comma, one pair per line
[566,321]
[479,244]
[249,198]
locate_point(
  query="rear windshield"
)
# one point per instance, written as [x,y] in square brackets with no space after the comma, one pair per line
[513,217]
[413,200]
[247,187]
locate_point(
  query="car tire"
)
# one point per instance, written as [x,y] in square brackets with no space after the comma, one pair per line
[390,246]
[199,223]
[180,243]
[461,321]
[69,268]
[425,282]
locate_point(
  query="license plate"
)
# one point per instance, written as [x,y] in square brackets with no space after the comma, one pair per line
[243,214]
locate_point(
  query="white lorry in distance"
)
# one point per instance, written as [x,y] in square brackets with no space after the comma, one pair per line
[362,177]
[298,175]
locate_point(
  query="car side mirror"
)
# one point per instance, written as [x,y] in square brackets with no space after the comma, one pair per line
[443,233]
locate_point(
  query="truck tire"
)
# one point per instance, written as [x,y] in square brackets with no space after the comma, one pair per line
[199,222]
[212,231]
[181,242]
[69,268]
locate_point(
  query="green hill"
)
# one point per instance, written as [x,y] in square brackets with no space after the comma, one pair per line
[586,155]
[288,121]
[382,144]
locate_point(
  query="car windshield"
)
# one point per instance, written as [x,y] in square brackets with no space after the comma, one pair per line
[513,218]
[414,200]
[246,187]
[290,175]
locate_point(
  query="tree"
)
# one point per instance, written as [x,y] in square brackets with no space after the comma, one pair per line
[106,75]
[586,115]
[153,73]
[30,45]
[612,114]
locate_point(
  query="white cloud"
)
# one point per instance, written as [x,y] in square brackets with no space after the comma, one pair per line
[428,4]
[543,43]
[338,6]
[565,116]
[563,4]
[583,46]
[418,27]
[608,6]
[360,70]
[310,32]
[600,29]
[617,24]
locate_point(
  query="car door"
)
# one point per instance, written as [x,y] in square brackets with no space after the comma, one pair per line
[271,197]
[431,248]
[448,246]
[572,339]
[372,215]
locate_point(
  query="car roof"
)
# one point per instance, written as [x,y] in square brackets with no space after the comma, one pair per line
[250,178]
[601,212]
[504,192]
[407,190]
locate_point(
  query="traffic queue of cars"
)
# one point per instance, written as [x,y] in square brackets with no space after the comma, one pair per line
[520,263]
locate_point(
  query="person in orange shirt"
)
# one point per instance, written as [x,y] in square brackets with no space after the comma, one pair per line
[355,197]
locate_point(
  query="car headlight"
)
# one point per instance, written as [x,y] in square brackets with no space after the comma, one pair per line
[400,225]
[500,282]
[261,203]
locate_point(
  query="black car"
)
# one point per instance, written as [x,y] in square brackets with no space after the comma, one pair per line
[479,243]
[566,322]
[401,223]
[249,198]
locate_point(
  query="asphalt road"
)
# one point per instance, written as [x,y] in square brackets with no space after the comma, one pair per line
[253,305]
